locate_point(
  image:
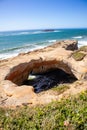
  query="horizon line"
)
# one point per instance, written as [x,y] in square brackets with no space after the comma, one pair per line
[43,29]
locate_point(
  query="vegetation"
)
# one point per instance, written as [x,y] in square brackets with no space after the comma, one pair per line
[61,88]
[78,55]
[69,114]
[83,48]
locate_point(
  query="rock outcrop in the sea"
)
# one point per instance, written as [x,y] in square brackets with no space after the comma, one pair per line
[48,30]
[15,71]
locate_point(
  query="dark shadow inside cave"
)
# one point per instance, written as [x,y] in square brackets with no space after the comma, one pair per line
[47,80]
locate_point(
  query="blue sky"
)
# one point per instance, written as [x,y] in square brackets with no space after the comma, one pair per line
[39,14]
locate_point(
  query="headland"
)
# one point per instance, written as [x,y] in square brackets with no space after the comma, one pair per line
[64,57]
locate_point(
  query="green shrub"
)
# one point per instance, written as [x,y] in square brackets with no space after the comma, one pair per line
[61,88]
[78,56]
[68,114]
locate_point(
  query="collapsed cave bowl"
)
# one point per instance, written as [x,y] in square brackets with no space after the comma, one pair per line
[48,80]
[47,74]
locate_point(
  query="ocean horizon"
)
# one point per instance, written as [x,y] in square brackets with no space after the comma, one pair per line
[13,43]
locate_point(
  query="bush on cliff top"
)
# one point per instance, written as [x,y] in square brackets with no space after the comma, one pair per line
[83,48]
[78,56]
[65,115]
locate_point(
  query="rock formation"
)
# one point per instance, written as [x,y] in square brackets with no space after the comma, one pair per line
[14,71]
[48,30]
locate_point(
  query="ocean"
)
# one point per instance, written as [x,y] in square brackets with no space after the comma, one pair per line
[14,42]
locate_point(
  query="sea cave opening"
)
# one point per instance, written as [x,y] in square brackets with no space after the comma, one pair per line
[49,79]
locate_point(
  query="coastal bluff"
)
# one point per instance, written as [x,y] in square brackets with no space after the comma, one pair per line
[63,55]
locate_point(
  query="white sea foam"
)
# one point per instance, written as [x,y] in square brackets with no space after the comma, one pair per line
[22,33]
[57,31]
[28,33]
[11,52]
[78,37]
[15,51]
[82,43]
[18,33]
[15,33]
[39,32]
[51,41]
[7,55]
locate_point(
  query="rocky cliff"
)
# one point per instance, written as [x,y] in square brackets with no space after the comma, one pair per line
[63,55]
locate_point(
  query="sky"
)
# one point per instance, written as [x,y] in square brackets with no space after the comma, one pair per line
[42,14]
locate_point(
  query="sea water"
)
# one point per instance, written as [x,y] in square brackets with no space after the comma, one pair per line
[14,42]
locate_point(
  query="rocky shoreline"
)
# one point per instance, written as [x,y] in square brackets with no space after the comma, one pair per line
[61,56]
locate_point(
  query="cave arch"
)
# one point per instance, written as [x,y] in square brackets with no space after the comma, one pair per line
[20,73]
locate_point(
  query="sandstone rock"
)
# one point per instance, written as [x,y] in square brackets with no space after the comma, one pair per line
[16,95]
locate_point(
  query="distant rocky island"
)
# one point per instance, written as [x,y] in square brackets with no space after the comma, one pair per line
[48,30]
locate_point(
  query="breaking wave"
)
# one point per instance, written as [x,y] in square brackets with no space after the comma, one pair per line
[78,37]
[82,43]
